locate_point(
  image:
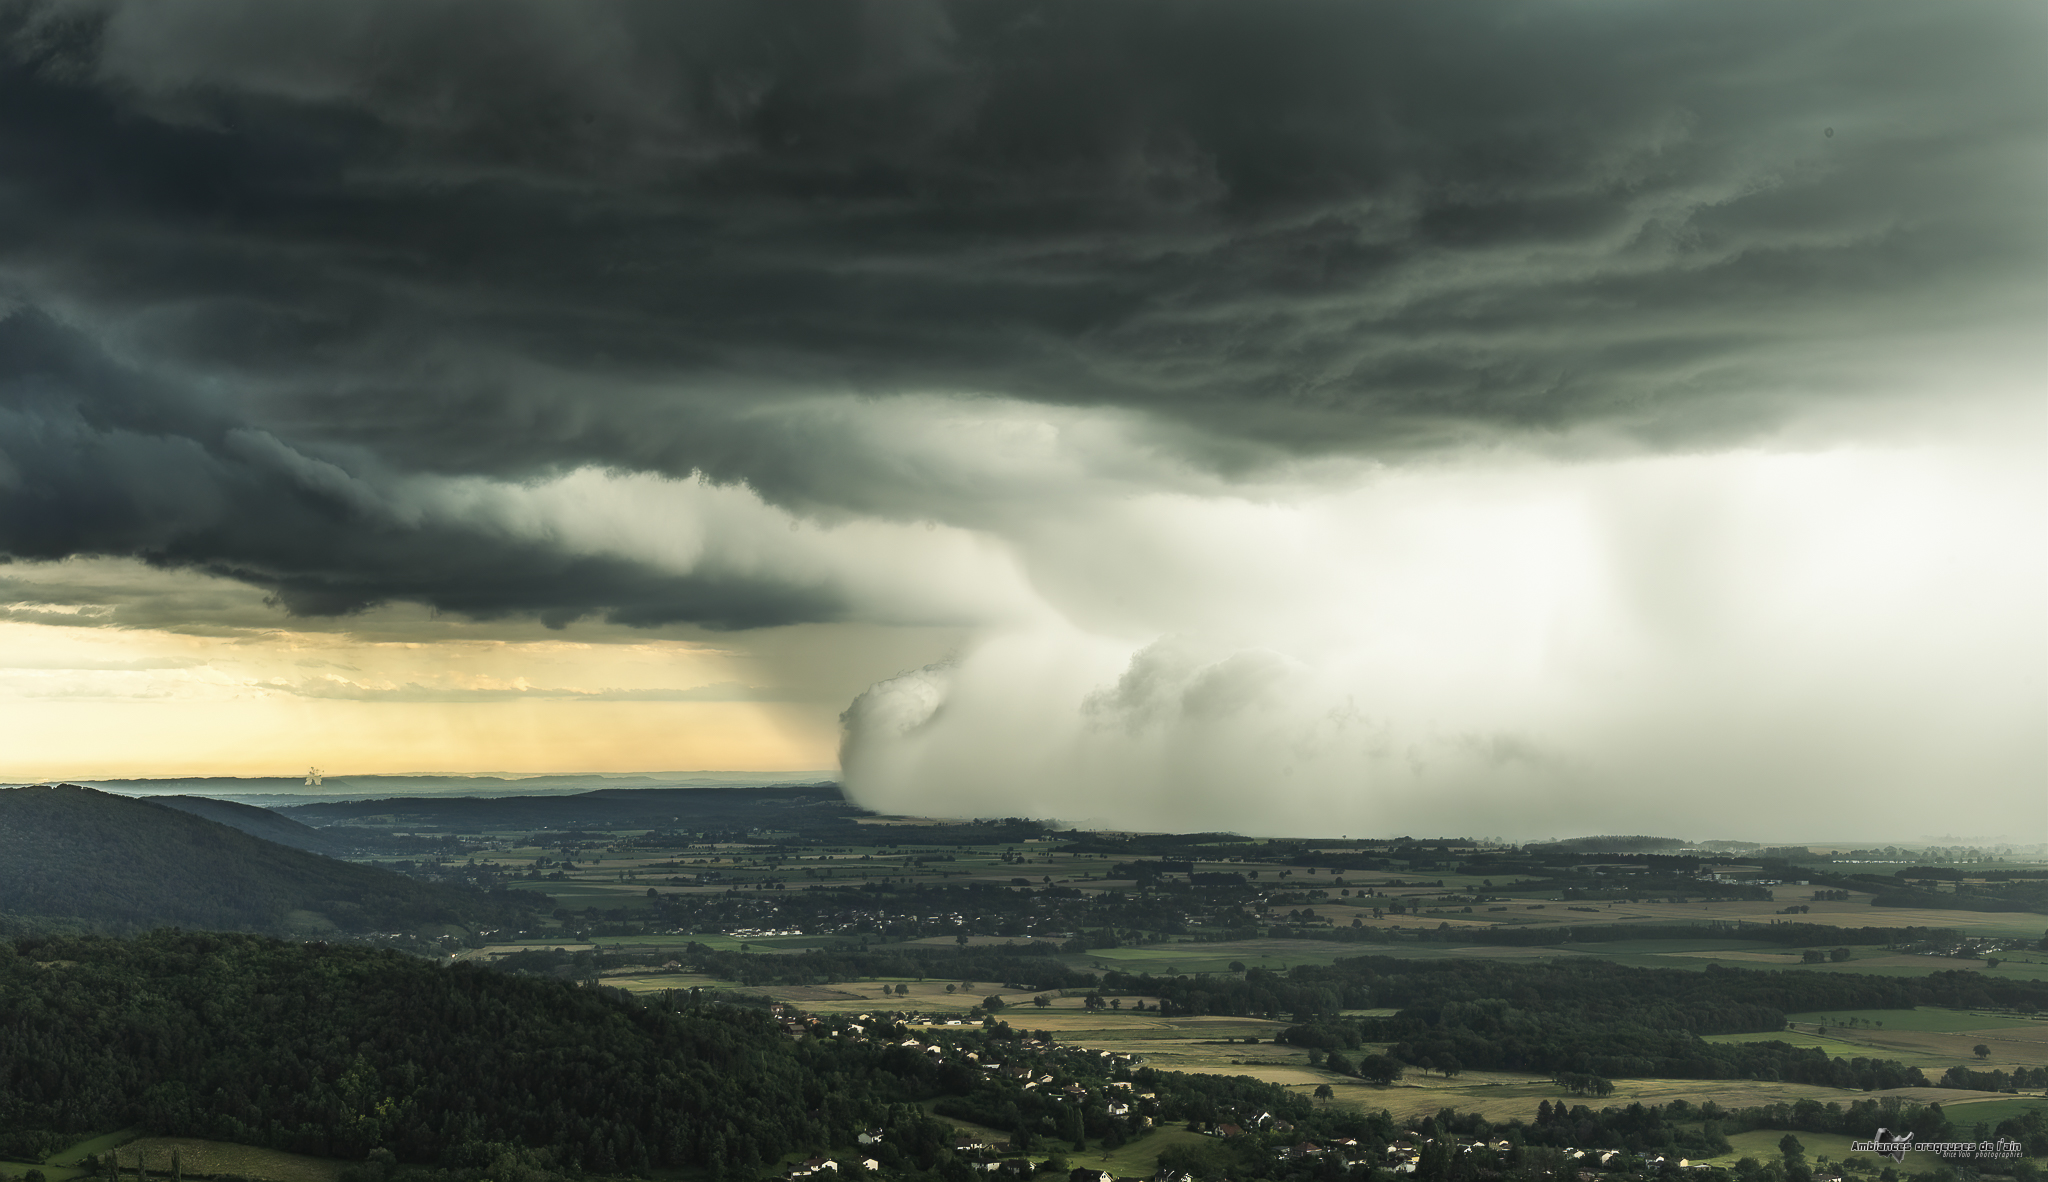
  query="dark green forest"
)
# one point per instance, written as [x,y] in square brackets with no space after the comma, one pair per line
[338,1050]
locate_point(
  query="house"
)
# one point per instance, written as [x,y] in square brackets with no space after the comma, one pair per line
[1229,1130]
[871,1137]
[1087,1175]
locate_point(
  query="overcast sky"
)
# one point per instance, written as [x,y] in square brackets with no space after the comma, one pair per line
[1486,419]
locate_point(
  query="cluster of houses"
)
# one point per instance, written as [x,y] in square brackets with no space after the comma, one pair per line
[1405,1155]
[1034,1065]
[825,1168]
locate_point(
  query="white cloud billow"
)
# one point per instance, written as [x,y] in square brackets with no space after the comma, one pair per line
[1661,643]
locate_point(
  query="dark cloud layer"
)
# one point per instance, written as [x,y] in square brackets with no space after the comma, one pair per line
[100,463]
[265,260]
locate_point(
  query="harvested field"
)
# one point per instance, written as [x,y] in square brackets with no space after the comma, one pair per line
[1500,1096]
[1955,1049]
[212,1158]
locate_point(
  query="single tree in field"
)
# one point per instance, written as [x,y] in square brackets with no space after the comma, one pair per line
[1789,1146]
[1981,1051]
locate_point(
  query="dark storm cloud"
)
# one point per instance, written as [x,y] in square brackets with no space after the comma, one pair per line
[98,461]
[281,249]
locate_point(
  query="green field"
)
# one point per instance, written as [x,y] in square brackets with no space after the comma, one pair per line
[1919,1018]
[77,1153]
[1762,1144]
[1834,1048]
[1177,958]
[1990,1112]
[1138,1157]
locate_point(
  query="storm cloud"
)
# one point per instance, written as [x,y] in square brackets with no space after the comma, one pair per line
[1103,331]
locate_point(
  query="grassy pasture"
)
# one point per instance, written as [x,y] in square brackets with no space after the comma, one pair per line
[968,1126]
[1138,1158]
[1762,1144]
[1966,1114]
[9,1168]
[77,1153]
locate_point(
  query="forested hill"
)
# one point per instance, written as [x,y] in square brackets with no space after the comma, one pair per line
[338,1049]
[804,809]
[124,864]
[256,822]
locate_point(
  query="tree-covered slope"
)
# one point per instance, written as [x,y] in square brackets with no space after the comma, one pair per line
[121,863]
[340,1049]
[254,821]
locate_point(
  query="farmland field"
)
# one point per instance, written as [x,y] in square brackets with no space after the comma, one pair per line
[1928,1038]
[220,1157]
[1919,1018]
[1501,1096]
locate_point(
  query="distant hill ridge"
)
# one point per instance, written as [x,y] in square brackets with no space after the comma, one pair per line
[807,807]
[113,861]
[257,822]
